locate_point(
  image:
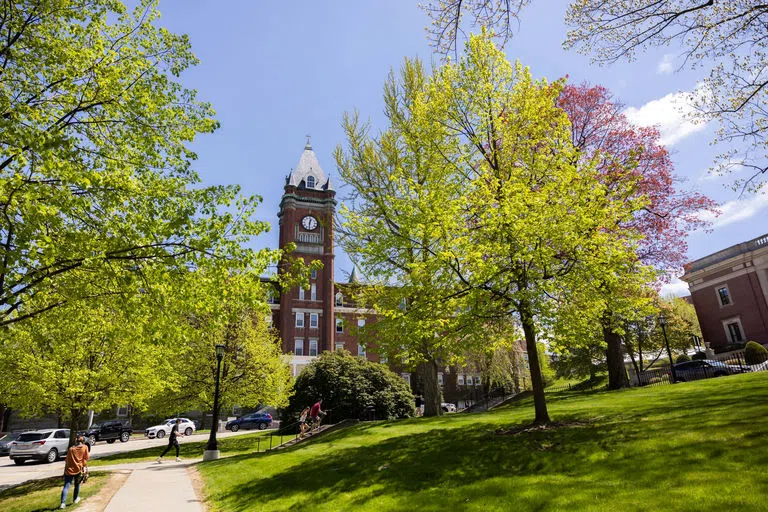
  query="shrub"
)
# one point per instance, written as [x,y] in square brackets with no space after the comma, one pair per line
[699,356]
[682,358]
[349,387]
[755,353]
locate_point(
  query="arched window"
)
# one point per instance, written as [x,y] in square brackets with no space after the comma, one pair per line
[339,299]
[310,182]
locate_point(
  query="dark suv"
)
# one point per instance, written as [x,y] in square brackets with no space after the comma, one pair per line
[259,420]
[109,431]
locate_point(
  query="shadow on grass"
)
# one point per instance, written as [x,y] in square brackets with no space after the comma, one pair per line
[633,451]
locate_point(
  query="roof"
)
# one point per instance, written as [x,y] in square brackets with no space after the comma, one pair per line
[308,166]
[730,252]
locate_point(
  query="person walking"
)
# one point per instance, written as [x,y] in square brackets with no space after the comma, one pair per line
[74,466]
[315,413]
[303,422]
[173,441]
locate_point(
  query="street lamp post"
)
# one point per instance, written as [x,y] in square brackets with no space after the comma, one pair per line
[663,324]
[212,448]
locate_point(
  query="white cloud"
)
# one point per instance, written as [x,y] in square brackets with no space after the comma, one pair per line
[672,115]
[676,288]
[665,66]
[738,210]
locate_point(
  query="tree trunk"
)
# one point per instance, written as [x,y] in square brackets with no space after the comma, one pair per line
[539,401]
[3,409]
[433,396]
[75,423]
[617,373]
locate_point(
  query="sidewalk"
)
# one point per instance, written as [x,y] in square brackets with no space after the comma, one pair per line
[155,487]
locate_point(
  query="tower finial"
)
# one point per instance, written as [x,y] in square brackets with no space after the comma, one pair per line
[309,145]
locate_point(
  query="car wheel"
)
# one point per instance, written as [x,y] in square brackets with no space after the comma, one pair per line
[91,440]
[234,428]
[124,437]
[160,434]
[188,431]
[261,425]
[52,455]
[19,462]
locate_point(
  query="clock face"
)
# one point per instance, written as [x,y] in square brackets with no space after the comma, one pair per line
[309,223]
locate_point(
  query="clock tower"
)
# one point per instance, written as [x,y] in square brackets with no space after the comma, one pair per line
[306,318]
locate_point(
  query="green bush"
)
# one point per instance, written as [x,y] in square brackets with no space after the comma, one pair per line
[699,356]
[682,358]
[755,353]
[349,387]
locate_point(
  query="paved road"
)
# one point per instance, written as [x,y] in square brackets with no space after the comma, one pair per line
[11,474]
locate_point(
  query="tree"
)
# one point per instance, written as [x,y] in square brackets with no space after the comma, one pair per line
[727,38]
[623,151]
[351,387]
[95,177]
[540,224]
[395,224]
[75,359]
[229,310]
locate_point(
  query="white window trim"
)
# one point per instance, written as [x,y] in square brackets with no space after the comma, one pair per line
[313,292]
[316,318]
[296,343]
[460,380]
[313,274]
[440,378]
[301,293]
[361,352]
[300,323]
[306,182]
[313,341]
[728,291]
[339,325]
[734,320]
[339,345]
[339,299]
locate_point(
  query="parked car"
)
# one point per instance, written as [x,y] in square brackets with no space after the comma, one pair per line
[5,443]
[259,420]
[704,369]
[48,444]
[448,407]
[109,431]
[187,427]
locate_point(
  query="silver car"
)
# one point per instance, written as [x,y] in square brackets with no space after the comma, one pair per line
[48,444]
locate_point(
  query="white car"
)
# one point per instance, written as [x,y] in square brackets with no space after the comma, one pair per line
[187,427]
[448,407]
[49,445]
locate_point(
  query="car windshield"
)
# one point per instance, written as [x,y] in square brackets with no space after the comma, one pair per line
[96,425]
[33,436]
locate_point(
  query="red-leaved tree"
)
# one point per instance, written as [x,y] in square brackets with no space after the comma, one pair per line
[599,128]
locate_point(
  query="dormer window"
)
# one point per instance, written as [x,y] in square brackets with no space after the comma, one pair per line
[310,182]
[339,299]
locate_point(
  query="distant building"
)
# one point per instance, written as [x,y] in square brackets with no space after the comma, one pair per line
[729,290]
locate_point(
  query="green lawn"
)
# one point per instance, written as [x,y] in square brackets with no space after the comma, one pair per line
[692,446]
[45,494]
[246,443]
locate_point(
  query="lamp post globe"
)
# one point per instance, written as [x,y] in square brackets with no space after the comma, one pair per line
[212,448]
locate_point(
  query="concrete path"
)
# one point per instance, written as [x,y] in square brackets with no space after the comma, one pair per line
[156,487]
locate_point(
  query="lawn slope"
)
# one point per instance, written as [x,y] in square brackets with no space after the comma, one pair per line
[692,446]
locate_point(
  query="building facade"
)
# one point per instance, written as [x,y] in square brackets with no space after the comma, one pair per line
[323,317]
[729,290]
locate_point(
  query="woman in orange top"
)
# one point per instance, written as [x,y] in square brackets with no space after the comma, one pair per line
[77,459]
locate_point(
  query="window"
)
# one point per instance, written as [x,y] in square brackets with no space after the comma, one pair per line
[469,380]
[360,323]
[314,273]
[406,377]
[122,411]
[339,299]
[339,345]
[298,347]
[724,296]
[383,358]
[310,182]
[734,331]
[312,347]
[300,320]
[301,293]
[440,378]
[268,319]
[361,350]
[339,325]
[477,381]
[313,320]
[460,380]
[313,293]
[61,434]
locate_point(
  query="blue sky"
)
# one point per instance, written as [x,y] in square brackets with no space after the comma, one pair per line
[275,71]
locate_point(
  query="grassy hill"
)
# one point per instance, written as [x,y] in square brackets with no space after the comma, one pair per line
[692,446]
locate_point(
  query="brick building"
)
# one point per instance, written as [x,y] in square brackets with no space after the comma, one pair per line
[729,290]
[322,317]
